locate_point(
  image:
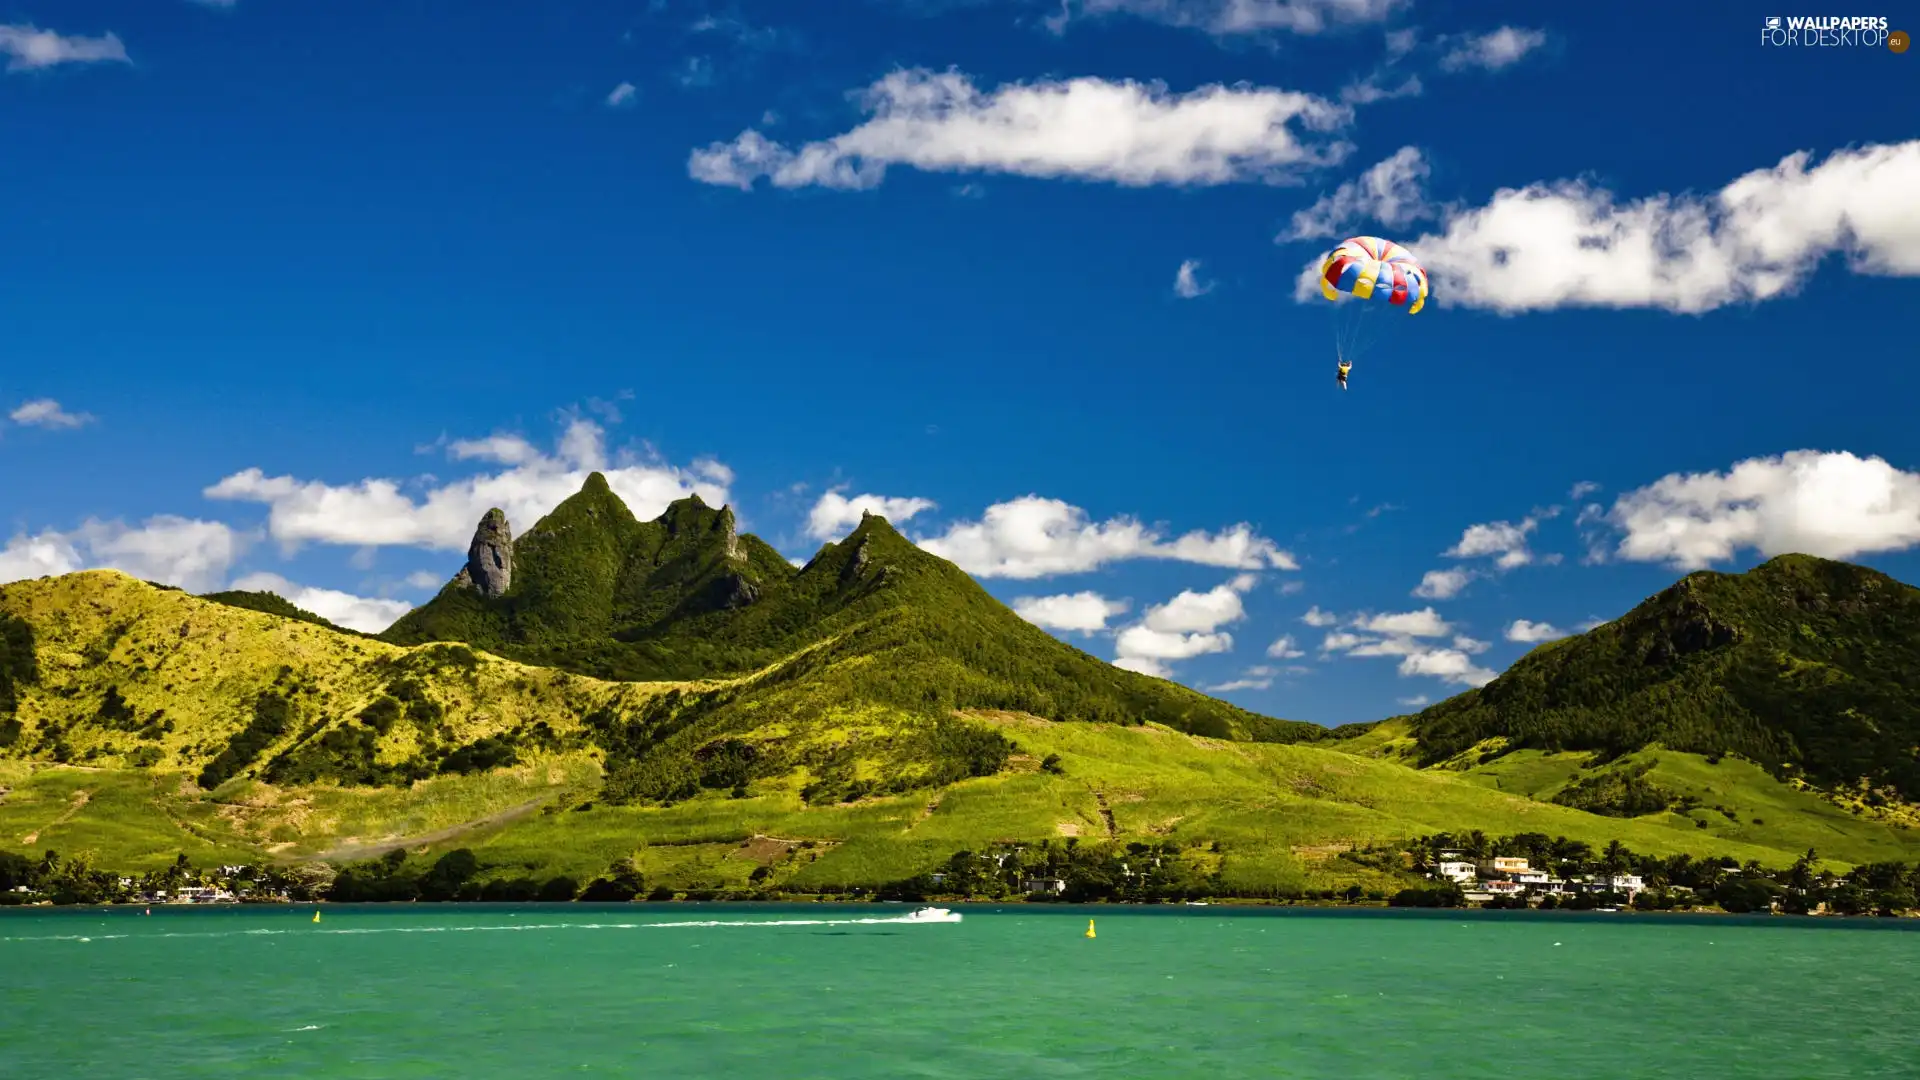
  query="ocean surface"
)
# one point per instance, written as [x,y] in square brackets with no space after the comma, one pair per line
[848,993]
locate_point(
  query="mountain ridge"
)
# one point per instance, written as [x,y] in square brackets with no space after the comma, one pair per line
[686,595]
[1808,666]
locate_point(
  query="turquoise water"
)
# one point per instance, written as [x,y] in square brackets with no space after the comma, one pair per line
[728,991]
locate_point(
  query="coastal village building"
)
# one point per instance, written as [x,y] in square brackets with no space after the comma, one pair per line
[1626,883]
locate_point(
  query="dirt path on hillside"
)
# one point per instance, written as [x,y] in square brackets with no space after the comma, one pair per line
[1106,814]
[374,849]
[79,800]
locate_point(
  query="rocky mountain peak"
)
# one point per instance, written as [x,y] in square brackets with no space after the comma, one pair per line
[489,568]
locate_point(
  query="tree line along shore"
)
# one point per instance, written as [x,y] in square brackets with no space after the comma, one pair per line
[1528,870]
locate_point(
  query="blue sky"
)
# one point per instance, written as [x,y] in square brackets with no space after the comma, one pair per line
[293,292]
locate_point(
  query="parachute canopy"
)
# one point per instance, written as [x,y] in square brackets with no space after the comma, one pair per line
[1369,268]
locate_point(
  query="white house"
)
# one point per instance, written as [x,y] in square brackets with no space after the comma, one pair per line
[1034,885]
[1626,883]
[1503,888]
[1458,872]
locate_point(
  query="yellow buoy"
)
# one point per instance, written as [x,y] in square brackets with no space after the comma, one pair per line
[1089,927]
[316,916]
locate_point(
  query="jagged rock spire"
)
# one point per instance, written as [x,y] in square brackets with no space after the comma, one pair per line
[489,566]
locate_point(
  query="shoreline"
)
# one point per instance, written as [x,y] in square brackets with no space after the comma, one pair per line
[1210,906]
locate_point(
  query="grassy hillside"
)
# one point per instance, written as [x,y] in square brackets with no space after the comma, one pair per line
[1269,818]
[891,627]
[138,723]
[125,674]
[1809,667]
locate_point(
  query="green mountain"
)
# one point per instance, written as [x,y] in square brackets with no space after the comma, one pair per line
[1808,667]
[870,622]
[671,701]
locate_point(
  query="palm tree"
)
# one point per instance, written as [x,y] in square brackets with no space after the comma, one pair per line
[1614,859]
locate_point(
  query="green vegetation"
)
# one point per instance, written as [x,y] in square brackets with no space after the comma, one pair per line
[1809,667]
[272,718]
[19,669]
[1622,792]
[272,604]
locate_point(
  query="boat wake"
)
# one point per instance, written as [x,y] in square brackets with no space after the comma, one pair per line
[922,916]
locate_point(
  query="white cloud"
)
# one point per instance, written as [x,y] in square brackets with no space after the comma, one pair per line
[1033,537]
[1415,701]
[1378,87]
[1448,665]
[1085,612]
[504,449]
[1570,244]
[194,555]
[1830,504]
[1239,684]
[696,72]
[28,48]
[621,95]
[1442,584]
[1532,633]
[1284,648]
[1582,489]
[835,512]
[1392,193]
[1423,623]
[1492,51]
[1196,612]
[1319,619]
[1407,636]
[424,579]
[48,554]
[363,613]
[1184,627]
[1227,17]
[1504,541]
[47,413]
[378,513]
[1147,651]
[738,31]
[1186,281]
[1128,133]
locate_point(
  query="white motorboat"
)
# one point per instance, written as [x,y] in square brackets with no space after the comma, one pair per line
[931,914]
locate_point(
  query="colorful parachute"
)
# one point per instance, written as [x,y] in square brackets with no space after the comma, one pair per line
[1369,268]
[1369,279]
